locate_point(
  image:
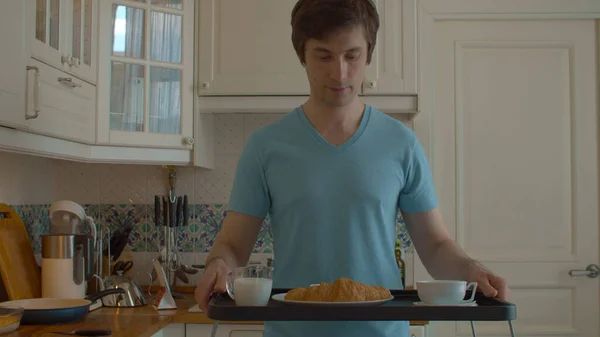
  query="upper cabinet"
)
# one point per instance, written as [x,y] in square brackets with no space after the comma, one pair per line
[146,68]
[13,70]
[62,34]
[393,69]
[245,48]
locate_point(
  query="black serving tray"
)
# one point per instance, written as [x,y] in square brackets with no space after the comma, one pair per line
[401,308]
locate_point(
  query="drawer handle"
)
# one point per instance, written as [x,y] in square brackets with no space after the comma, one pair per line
[36,93]
[68,81]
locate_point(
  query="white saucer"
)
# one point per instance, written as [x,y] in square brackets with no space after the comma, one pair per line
[281,298]
[466,304]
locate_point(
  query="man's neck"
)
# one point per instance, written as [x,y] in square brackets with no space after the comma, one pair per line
[336,125]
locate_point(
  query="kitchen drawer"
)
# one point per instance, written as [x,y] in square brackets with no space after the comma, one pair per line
[67,105]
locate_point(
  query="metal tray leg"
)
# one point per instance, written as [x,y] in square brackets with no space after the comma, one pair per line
[214,329]
[473,329]
[512,329]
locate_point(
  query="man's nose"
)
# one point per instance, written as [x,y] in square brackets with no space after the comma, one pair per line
[339,71]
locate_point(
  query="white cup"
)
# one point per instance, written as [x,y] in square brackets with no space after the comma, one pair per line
[250,285]
[445,292]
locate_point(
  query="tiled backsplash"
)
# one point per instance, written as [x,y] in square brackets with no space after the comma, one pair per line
[112,192]
[204,222]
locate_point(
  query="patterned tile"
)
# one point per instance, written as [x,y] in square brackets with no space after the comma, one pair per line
[204,223]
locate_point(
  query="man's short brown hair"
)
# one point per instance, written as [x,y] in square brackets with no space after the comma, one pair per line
[316,19]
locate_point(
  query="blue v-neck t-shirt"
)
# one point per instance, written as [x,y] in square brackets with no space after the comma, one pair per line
[333,209]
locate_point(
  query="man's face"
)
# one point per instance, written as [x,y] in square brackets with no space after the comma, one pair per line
[336,66]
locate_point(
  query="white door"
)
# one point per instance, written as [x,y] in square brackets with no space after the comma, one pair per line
[514,155]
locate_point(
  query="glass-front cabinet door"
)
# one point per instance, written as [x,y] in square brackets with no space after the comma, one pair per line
[63,35]
[48,35]
[146,73]
[82,51]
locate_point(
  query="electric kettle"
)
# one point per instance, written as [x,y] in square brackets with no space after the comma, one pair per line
[68,217]
[67,265]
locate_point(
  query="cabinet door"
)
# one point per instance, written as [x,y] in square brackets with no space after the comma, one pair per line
[393,68]
[12,68]
[67,105]
[225,330]
[47,32]
[82,39]
[146,54]
[245,48]
[417,331]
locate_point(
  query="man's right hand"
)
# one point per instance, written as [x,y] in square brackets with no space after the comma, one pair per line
[214,280]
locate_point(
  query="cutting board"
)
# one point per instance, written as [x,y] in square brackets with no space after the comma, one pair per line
[20,273]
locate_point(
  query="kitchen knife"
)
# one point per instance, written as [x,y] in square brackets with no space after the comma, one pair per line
[157,209]
[85,333]
[185,210]
[178,212]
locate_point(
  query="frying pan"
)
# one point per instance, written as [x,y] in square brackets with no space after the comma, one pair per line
[58,310]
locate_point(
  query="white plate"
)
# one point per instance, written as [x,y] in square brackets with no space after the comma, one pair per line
[467,304]
[281,298]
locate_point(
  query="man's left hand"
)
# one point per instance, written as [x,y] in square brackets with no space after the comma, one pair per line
[490,284]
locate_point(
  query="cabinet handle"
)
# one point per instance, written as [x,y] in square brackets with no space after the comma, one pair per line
[76,62]
[36,93]
[68,81]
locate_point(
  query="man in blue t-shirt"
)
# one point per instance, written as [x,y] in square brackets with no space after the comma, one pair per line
[332,174]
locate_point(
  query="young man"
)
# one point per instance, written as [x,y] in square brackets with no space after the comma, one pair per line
[332,174]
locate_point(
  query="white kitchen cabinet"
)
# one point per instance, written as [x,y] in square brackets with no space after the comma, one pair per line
[62,34]
[248,330]
[259,58]
[13,58]
[172,330]
[417,331]
[66,105]
[145,81]
[224,330]
[393,68]
[245,48]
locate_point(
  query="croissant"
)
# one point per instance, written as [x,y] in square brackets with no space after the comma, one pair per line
[342,290]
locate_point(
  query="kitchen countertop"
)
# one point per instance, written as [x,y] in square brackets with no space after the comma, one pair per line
[132,322]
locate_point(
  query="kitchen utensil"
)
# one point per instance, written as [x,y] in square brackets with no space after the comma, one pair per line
[10,318]
[39,311]
[133,296]
[66,265]
[119,239]
[84,332]
[17,261]
[121,267]
[68,217]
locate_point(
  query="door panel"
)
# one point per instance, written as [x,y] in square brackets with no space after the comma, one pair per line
[515,162]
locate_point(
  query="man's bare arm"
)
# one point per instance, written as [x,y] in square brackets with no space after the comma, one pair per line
[440,254]
[236,239]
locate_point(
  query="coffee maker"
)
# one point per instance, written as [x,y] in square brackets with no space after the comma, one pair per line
[67,265]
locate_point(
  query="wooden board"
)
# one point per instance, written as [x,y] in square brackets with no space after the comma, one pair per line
[20,273]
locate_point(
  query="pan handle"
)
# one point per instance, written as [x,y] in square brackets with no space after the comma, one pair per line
[96,296]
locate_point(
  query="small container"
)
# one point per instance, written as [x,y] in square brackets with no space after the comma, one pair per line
[10,318]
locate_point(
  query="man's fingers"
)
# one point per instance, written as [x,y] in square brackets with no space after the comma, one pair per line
[204,290]
[500,284]
[486,288]
[221,282]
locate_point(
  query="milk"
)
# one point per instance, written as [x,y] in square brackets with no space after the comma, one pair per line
[252,291]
